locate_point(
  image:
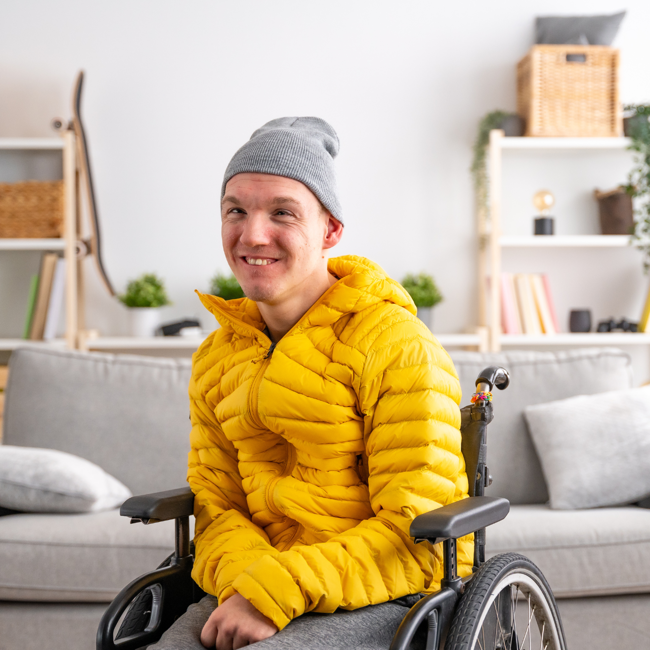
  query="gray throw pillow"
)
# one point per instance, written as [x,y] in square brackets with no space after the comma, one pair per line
[594,449]
[45,480]
[577,30]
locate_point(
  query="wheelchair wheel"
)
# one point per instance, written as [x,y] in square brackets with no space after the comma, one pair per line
[508,605]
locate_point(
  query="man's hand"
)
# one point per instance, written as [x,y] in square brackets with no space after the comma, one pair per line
[236,624]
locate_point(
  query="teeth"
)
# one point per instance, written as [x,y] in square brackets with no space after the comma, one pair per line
[257,262]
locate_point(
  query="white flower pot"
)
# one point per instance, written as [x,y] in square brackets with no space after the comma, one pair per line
[425,314]
[144,320]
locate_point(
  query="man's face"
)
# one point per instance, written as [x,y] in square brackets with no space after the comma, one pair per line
[274,232]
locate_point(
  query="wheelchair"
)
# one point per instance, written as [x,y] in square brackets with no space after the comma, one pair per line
[505,604]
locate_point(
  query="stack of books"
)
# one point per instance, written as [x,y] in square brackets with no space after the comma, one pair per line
[526,304]
[46,295]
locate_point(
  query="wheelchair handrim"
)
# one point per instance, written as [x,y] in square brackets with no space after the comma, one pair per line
[527,585]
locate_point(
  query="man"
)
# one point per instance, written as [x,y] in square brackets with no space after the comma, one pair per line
[325,418]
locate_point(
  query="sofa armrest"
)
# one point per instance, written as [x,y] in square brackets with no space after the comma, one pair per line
[159,506]
[459,519]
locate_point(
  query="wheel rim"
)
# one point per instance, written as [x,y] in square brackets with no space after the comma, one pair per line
[528,603]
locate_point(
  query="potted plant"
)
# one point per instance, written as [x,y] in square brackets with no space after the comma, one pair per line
[638,181]
[425,294]
[513,126]
[144,297]
[226,287]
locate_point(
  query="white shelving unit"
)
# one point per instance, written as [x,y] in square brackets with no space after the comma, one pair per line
[492,241]
[566,241]
[67,244]
[189,344]
[54,244]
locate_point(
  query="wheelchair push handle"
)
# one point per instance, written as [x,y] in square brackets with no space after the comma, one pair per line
[492,376]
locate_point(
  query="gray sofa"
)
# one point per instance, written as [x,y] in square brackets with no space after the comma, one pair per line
[129,415]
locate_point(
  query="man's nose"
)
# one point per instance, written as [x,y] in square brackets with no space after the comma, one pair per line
[255,232]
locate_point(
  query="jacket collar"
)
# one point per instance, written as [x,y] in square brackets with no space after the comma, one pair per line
[361,284]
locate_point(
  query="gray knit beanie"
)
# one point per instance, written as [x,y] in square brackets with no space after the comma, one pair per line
[302,148]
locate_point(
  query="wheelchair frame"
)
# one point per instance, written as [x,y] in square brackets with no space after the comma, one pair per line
[445,525]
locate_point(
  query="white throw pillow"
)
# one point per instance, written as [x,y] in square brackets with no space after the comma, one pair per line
[594,449]
[45,480]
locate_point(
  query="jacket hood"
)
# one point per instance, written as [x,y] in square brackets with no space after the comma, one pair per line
[362,283]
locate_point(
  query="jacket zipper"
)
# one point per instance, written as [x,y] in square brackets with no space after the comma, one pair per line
[253,396]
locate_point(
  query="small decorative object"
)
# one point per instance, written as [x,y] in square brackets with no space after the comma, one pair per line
[144,297]
[512,125]
[425,294]
[616,212]
[578,30]
[635,121]
[185,327]
[638,180]
[226,287]
[482,396]
[569,90]
[544,201]
[624,325]
[580,320]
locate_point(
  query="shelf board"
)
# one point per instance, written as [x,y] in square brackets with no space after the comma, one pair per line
[31,143]
[145,343]
[12,344]
[565,143]
[53,244]
[589,338]
[460,339]
[565,241]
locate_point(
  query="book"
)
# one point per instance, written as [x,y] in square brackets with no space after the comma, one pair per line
[527,308]
[56,301]
[513,293]
[31,302]
[549,301]
[45,278]
[543,310]
[509,308]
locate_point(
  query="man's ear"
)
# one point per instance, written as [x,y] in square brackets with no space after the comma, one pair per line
[334,232]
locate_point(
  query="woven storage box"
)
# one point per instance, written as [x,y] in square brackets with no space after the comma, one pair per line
[569,90]
[32,209]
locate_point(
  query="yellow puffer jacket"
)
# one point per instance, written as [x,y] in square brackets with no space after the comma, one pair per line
[310,461]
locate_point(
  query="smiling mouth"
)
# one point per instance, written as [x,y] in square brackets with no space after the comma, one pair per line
[258,261]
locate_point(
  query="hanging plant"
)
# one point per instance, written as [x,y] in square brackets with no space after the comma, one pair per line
[489,122]
[638,180]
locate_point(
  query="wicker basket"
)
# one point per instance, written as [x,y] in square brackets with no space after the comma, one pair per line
[569,90]
[32,209]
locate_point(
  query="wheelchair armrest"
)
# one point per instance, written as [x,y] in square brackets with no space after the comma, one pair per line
[159,506]
[459,519]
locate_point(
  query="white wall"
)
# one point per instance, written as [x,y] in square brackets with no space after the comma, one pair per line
[174,88]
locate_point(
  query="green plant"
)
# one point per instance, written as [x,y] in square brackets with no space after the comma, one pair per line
[146,291]
[638,180]
[423,289]
[226,287]
[489,122]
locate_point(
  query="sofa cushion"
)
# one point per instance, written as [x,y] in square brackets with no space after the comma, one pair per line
[127,414]
[536,377]
[604,551]
[46,480]
[77,558]
[594,449]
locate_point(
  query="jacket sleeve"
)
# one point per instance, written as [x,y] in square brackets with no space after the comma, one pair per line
[409,394]
[226,540]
